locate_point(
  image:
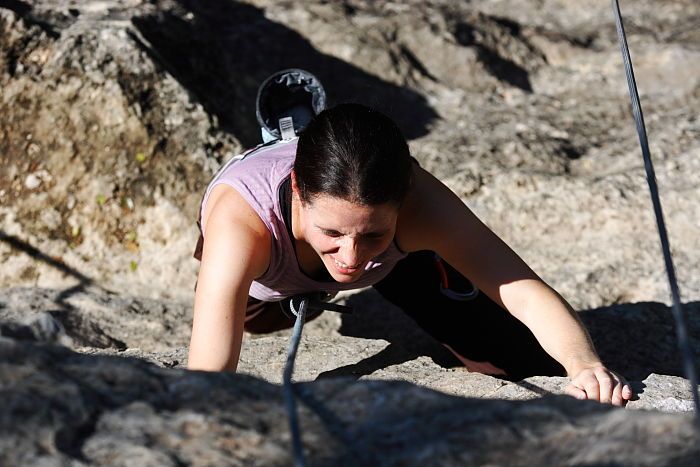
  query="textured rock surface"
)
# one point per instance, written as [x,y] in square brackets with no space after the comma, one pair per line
[62,407]
[362,346]
[114,115]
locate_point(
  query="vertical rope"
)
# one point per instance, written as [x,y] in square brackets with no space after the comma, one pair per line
[333,424]
[681,330]
[287,388]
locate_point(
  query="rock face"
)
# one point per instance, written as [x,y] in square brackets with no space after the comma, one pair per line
[63,408]
[367,345]
[115,114]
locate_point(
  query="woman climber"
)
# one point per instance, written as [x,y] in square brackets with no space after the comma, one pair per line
[345,206]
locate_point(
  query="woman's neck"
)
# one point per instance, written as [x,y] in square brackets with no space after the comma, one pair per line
[297,231]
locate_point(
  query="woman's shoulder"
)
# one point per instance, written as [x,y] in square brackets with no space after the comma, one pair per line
[233,231]
[228,206]
[268,155]
[426,211]
[248,184]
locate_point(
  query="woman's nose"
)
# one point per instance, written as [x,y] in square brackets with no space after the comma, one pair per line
[349,252]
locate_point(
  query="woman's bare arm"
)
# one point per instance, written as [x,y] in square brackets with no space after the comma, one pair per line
[236,251]
[435,218]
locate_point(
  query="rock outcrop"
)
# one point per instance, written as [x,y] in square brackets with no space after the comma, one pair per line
[377,342]
[64,408]
[115,114]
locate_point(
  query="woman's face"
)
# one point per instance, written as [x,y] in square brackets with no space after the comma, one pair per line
[347,235]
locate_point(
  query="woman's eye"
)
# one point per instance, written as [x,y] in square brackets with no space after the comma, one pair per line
[332,233]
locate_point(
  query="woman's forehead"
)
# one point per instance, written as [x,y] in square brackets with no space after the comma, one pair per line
[329,210]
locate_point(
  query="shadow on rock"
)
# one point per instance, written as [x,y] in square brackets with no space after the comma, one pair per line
[638,339]
[375,318]
[58,318]
[391,355]
[24,247]
[222,50]
[64,407]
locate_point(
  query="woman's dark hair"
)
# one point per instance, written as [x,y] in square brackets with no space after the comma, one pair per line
[353,153]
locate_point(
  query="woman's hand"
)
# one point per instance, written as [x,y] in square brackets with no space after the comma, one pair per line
[600,384]
[433,218]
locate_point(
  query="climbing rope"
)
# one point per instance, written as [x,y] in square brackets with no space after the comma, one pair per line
[681,330]
[290,402]
[331,421]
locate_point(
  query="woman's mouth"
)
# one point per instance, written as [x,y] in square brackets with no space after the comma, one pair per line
[345,268]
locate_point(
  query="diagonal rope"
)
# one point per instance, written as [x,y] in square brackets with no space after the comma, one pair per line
[681,330]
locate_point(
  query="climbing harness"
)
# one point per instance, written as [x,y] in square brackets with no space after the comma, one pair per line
[681,330]
[454,289]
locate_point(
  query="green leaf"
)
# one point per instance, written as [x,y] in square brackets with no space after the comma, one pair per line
[127,203]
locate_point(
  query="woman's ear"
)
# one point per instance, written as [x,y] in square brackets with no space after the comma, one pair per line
[295,186]
[296,192]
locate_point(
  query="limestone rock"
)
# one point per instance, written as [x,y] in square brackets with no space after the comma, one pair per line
[65,408]
[521,108]
[114,115]
[97,318]
[362,346]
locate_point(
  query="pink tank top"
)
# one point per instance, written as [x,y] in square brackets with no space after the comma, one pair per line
[258,177]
